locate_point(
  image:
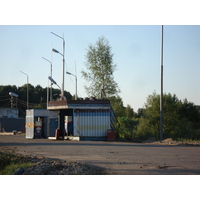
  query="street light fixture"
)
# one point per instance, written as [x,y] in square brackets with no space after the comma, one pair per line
[51,76]
[53,81]
[27,89]
[12,95]
[75,85]
[56,51]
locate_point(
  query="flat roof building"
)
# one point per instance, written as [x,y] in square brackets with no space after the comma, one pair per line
[85,119]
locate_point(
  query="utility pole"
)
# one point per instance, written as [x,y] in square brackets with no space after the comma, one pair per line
[63,68]
[27,89]
[51,99]
[161,87]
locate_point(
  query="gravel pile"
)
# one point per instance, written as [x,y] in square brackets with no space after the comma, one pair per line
[50,166]
[61,167]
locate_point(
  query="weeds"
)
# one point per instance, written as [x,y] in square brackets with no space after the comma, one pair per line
[11,161]
[11,168]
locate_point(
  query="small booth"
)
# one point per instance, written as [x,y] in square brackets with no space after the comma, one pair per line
[41,123]
[83,119]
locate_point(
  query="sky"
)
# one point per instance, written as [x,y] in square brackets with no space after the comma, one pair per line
[136,50]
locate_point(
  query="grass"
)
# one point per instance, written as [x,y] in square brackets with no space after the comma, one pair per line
[12,167]
[10,161]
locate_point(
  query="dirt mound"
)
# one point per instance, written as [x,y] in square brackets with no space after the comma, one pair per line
[49,166]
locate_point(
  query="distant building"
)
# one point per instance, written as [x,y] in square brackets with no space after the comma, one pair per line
[9,120]
[9,113]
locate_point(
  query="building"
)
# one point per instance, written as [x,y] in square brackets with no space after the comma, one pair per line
[83,119]
[9,113]
[10,121]
[41,123]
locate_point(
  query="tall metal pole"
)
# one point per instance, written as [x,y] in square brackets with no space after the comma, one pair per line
[161,86]
[76,89]
[75,84]
[27,90]
[63,76]
[51,99]
[47,92]
[63,66]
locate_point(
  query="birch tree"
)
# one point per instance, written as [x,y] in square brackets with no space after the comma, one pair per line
[100,69]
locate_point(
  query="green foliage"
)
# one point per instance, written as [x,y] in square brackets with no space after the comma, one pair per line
[117,105]
[145,129]
[127,127]
[10,162]
[181,119]
[13,167]
[129,112]
[140,113]
[100,69]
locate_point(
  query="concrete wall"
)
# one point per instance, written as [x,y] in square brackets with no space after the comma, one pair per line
[10,124]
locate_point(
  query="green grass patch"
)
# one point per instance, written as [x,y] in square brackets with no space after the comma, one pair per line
[11,161]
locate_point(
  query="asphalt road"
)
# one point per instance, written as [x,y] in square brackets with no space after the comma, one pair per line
[121,158]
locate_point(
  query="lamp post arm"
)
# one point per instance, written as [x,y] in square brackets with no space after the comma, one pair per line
[58,36]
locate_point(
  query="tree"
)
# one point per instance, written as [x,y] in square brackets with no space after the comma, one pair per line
[181,119]
[140,113]
[127,127]
[100,69]
[117,105]
[171,113]
[129,112]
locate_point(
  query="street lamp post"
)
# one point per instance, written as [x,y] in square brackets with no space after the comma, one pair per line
[50,75]
[27,89]
[60,125]
[54,50]
[75,85]
[161,86]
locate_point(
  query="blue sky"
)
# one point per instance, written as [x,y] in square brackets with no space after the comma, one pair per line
[136,50]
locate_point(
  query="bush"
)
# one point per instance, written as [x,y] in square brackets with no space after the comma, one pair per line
[127,127]
[145,130]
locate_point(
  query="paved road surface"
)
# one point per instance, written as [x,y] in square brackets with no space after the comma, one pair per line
[121,158]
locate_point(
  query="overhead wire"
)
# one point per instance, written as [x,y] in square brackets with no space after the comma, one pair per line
[4,99]
[4,96]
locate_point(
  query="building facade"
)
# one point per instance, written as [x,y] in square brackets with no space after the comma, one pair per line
[84,119]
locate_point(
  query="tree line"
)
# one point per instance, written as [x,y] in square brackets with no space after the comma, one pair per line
[37,97]
[181,119]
